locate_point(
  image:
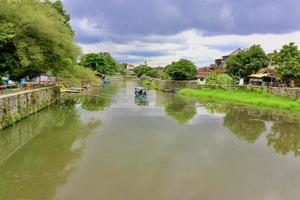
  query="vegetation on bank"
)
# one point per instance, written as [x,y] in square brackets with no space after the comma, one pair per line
[77,74]
[219,78]
[145,70]
[35,38]
[246,97]
[182,70]
[101,62]
[246,62]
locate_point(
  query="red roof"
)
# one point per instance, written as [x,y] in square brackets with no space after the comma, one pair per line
[203,72]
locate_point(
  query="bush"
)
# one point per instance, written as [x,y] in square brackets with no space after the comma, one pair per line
[182,70]
[219,78]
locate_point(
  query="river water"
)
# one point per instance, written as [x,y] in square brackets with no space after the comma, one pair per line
[108,145]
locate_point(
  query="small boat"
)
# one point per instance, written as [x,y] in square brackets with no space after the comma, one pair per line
[140,91]
[105,81]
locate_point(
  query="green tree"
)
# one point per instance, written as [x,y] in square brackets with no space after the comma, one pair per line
[101,62]
[182,70]
[247,62]
[58,5]
[145,70]
[288,62]
[34,39]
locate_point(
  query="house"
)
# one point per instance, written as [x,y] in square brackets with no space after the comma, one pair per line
[130,67]
[202,73]
[263,77]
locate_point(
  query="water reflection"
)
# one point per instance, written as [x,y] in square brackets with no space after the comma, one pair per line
[39,168]
[141,101]
[285,136]
[177,107]
[99,99]
[248,124]
[243,125]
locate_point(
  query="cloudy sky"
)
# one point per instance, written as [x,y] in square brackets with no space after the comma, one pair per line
[161,31]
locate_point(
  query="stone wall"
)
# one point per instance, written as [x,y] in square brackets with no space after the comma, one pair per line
[16,106]
[281,91]
[173,86]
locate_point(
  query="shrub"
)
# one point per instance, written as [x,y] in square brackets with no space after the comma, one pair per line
[219,78]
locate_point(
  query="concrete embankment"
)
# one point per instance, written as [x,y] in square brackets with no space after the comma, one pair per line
[171,86]
[16,106]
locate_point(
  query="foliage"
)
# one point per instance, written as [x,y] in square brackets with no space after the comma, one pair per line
[246,97]
[288,62]
[182,70]
[247,62]
[34,39]
[145,70]
[101,62]
[78,73]
[58,5]
[219,78]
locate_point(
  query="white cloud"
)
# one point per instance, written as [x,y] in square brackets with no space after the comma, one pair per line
[189,44]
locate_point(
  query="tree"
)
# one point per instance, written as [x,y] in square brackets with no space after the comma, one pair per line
[34,39]
[288,62]
[101,62]
[246,62]
[145,70]
[58,5]
[182,70]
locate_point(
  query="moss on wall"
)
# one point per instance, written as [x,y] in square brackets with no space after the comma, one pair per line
[16,107]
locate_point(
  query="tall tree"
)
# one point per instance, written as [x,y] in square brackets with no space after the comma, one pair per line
[247,62]
[145,70]
[182,70]
[101,62]
[288,62]
[35,38]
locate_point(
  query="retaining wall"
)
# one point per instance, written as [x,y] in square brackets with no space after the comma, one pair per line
[172,86]
[16,106]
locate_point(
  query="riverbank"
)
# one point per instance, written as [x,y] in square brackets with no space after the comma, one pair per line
[17,106]
[245,97]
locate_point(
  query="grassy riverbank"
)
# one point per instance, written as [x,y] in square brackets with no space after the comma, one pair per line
[246,97]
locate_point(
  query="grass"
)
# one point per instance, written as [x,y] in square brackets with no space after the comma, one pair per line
[246,97]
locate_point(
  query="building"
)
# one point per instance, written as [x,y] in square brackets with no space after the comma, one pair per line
[130,67]
[263,77]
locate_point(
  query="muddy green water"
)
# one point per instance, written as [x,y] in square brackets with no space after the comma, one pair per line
[111,146]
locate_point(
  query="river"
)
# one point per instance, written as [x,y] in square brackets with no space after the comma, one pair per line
[108,145]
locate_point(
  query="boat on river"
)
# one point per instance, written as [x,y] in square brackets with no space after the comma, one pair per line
[140,91]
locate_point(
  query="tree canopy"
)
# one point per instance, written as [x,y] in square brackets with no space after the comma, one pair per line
[145,70]
[182,70]
[288,62]
[247,62]
[101,62]
[34,39]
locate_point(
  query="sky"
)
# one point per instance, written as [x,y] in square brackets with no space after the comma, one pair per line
[162,31]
